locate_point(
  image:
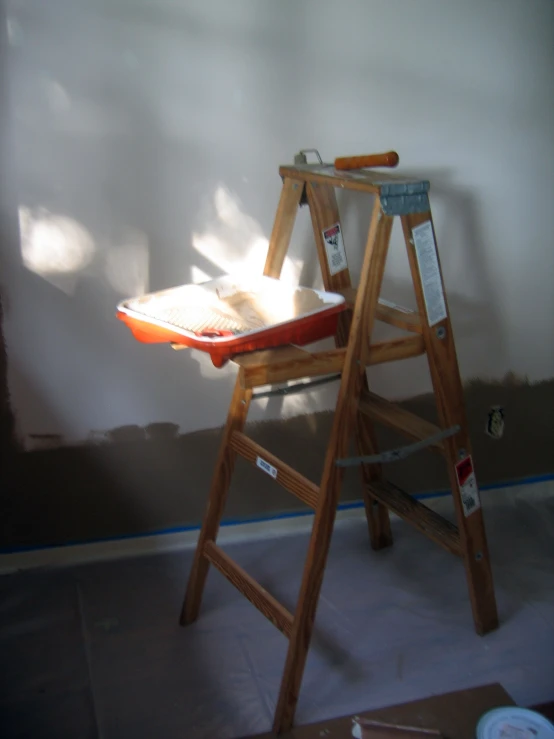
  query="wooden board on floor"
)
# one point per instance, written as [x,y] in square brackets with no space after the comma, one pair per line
[455,715]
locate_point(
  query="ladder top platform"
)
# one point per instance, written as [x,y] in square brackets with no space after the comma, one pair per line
[366,180]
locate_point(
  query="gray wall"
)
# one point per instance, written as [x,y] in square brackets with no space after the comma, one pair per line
[144,138]
[138,486]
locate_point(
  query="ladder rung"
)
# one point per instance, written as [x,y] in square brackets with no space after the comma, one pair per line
[289,478]
[399,419]
[258,596]
[423,518]
[269,356]
[399,318]
[407,320]
[287,363]
[392,351]
[291,363]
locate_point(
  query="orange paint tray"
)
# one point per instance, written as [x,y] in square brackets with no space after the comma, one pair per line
[233,315]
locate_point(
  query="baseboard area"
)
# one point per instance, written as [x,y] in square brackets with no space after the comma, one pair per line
[158,543]
[148,483]
[535,490]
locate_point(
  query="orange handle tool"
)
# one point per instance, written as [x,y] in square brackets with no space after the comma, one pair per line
[388,159]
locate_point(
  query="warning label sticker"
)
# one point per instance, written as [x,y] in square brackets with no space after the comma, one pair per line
[467,484]
[428,263]
[334,246]
[266,467]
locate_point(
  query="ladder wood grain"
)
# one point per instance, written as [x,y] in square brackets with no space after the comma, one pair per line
[356,409]
[419,515]
[405,319]
[399,318]
[236,418]
[447,386]
[283,226]
[363,181]
[304,489]
[324,212]
[290,365]
[400,419]
[343,428]
[393,350]
[256,594]
[273,366]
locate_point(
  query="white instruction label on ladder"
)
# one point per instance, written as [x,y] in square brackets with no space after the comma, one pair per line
[334,246]
[428,263]
[266,467]
[467,483]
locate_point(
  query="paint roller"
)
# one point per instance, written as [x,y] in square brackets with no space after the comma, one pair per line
[388,159]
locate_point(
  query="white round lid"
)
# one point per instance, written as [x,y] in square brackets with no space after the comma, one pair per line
[514,723]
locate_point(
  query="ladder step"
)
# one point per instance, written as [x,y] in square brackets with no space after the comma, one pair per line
[258,596]
[398,418]
[289,478]
[392,351]
[364,180]
[423,518]
[286,363]
[394,316]
[273,366]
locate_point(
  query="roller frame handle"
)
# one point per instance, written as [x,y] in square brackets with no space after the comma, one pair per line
[387,159]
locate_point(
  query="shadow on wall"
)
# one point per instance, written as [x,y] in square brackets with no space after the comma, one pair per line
[8,442]
[54,495]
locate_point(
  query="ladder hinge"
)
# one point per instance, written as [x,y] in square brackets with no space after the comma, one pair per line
[401,205]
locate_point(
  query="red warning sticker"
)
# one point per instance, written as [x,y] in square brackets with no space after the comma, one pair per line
[467,483]
[334,246]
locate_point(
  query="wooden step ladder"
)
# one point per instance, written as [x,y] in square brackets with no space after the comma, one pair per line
[428,332]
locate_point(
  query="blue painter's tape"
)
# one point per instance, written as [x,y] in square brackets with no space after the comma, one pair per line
[292,514]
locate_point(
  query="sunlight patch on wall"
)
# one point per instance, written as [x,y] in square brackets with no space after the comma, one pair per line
[54,246]
[57,96]
[234,242]
[128,264]
[198,276]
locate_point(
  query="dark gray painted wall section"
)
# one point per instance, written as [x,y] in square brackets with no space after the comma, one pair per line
[117,489]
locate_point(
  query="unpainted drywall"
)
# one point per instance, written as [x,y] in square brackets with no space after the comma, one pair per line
[140,149]
[146,138]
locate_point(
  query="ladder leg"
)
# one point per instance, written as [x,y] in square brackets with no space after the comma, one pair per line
[316,560]
[283,225]
[344,424]
[445,375]
[377,515]
[221,480]
[324,212]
